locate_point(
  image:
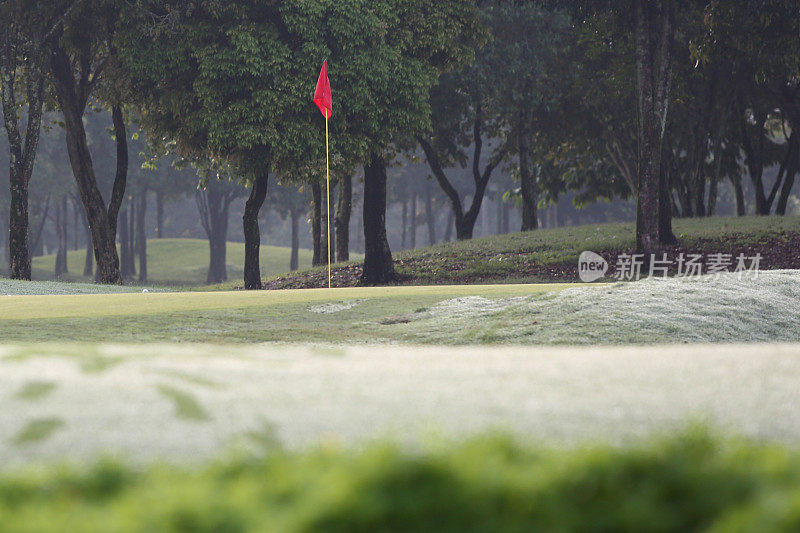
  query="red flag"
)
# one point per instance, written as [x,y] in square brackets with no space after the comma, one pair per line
[322,96]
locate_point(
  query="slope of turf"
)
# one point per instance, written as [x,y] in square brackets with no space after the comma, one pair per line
[548,255]
[709,309]
[181,262]
[688,482]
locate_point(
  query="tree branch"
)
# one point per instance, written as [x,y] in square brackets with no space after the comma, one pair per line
[436,167]
[121,177]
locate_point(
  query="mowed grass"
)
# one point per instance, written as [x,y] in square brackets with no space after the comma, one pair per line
[689,482]
[728,308]
[310,315]
[181,262]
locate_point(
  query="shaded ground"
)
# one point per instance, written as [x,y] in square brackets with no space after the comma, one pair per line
[184,403]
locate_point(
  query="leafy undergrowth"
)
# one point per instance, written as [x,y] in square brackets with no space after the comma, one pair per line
[689,482]
[551,255]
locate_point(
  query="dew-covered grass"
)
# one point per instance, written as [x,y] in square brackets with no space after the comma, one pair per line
[10,287]
[729,308]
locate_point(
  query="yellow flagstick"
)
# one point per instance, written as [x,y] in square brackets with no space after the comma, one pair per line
[328,208]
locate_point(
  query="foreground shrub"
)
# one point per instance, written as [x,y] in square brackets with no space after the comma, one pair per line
[692,482]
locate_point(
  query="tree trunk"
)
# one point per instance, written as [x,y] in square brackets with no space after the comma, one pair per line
[665,233]
[294,262]
[404,223]
[88,263]
[713,188]
[653,89]
[64,230]
[316,224]
[217,259]
[3,245]
[429,215]
[35,238]
[498,212]
[528,187]
[103,232]
[22,151]
[159,215]
[252,234]
[754,158]
[141,235]
[412,236]
[213,205]
[20,258]
[132,235]
[102,221]
[448,232]
[75,224]
[791,172]
[61,267]
[739,193]
[360,232]
[378,263]
[126,261]
[344,210]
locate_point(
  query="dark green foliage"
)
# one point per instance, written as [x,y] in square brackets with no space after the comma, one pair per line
[692,482]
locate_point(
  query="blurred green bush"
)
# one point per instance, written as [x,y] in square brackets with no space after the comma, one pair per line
[689,482]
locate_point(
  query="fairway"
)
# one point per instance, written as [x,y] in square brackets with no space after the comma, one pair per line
[709,309]
[187,403]
[182,262]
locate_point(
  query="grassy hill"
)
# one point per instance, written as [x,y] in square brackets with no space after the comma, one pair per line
[181,262]
[548,255]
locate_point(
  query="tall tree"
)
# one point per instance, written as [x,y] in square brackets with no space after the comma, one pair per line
[651,23]
[25,28]
[82,54]
[526,61]
[424,40]
[214,196]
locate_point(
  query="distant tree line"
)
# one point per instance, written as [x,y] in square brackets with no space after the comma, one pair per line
[664,102]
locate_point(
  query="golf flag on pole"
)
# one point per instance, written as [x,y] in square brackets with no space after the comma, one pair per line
[324,101]
[322,96]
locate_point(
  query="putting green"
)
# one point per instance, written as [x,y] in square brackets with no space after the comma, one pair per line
[130,304]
